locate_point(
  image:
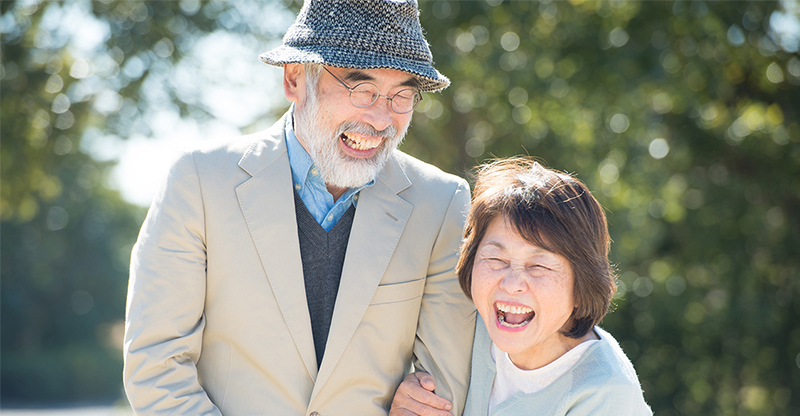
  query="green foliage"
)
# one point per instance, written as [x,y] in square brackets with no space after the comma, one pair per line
[683,119]
[681,116]
[66,238]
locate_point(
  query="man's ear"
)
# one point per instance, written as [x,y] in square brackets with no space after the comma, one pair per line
[294,82]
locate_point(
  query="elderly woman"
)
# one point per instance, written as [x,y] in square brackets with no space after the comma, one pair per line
[535,262]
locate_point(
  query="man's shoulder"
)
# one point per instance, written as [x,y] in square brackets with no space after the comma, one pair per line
[237,145]
[236,149]
[419,171]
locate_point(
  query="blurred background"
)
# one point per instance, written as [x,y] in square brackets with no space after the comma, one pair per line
[681,116]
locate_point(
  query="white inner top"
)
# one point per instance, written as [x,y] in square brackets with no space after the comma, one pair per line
[510,379]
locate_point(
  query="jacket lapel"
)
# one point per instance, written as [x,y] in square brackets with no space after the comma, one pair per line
[380,218]
[267,202]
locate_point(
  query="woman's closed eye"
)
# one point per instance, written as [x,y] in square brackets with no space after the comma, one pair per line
[496,263]
[538,267]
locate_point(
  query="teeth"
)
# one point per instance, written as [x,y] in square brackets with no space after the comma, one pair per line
[504,308]
[513,308]
[502,320]
[359,142]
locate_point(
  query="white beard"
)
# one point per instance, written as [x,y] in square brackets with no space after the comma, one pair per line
[338,169]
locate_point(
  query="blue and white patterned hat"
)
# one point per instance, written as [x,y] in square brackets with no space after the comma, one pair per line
[360,34]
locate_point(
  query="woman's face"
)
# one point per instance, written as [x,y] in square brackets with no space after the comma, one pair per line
[524,295]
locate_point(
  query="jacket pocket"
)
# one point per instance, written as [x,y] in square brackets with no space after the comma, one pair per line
[398,292]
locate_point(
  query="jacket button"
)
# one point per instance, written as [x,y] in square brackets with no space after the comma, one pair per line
[314,414]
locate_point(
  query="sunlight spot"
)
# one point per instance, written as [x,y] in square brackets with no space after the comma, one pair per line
[609,173]
[60,104]
[474,147]
[510,41]
[735,35]
[774,73]
[662,103]
[618,37]
[658,148]
[619,123]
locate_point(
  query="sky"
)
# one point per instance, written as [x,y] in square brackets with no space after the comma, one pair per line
[143,161]
[224,75]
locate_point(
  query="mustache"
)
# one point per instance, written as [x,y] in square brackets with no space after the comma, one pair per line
[365,129]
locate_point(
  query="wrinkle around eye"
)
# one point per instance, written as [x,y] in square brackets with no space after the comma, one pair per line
[496,264]
[406,94]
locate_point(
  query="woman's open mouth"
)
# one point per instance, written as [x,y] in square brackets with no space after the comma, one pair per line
[513,316]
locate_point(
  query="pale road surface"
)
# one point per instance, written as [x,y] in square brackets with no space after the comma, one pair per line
[72,411]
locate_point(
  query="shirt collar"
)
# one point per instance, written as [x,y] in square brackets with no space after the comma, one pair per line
[301,162]
[299,159]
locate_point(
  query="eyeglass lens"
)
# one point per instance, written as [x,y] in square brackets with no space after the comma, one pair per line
[366,93]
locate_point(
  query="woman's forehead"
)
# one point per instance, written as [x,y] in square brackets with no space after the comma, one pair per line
[501,234]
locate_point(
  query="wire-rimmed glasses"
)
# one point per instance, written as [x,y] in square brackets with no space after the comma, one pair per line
[366,93]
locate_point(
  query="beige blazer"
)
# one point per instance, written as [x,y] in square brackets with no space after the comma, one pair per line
[217,320]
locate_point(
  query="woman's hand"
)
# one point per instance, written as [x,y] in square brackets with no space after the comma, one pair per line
[415,396]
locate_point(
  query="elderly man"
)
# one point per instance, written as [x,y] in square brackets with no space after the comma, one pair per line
[304,269]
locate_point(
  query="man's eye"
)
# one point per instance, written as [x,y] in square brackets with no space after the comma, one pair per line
[404,95]
[364,94]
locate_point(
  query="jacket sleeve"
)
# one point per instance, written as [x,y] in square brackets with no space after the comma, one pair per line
[446,325]
[164,319]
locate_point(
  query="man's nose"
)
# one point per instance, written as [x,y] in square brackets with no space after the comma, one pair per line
[379,115]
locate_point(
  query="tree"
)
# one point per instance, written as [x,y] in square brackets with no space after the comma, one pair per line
[66,237]
[683,119]
[681,116]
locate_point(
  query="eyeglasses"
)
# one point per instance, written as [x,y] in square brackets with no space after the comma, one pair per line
[366,93]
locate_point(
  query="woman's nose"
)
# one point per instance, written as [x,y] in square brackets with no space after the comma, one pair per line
[513,282]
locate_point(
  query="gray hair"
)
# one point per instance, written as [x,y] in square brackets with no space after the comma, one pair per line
[313,71]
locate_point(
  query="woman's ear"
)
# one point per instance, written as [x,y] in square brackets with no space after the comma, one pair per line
[294,82]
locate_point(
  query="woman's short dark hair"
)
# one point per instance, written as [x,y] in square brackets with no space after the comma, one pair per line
[552,210]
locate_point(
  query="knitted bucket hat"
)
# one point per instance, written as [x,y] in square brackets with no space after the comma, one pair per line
[361,34]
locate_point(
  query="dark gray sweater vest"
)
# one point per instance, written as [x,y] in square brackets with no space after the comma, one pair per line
[322,253]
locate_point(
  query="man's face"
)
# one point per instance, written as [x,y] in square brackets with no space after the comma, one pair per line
[350,145]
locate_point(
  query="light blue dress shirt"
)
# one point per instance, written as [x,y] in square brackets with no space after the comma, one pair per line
[309,185]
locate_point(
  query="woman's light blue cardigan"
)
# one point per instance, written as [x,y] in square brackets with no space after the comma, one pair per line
[602,382]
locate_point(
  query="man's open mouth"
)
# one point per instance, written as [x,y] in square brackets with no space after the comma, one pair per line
[513,316]
[359,142]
